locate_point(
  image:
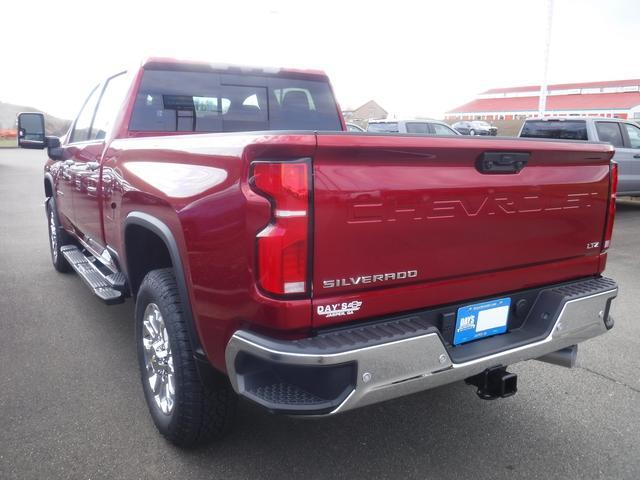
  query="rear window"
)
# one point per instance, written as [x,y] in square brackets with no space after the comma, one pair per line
[174,101]
[383,127]
[565,130]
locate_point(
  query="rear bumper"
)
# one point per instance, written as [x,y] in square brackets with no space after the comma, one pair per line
[349,368]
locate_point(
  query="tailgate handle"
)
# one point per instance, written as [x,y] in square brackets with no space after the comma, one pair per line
[502,162]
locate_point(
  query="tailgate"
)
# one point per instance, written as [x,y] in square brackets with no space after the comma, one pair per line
[402,223]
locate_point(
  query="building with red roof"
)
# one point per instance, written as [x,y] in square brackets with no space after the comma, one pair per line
[611,98]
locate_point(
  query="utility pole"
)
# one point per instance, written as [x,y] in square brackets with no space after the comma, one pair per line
[542,103]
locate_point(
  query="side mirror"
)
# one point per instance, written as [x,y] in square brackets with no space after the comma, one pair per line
[31,130]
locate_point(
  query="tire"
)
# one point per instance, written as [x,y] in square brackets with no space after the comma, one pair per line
[57,237]
[186,411]
[472,132]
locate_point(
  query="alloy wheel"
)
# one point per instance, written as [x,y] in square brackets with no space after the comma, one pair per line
[53,234]
[158,359]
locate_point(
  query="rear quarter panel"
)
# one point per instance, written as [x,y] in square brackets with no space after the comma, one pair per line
[196,185]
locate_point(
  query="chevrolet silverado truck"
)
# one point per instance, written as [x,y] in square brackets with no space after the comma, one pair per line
[274,256]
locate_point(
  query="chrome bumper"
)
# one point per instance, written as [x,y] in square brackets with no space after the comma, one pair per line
[396,368]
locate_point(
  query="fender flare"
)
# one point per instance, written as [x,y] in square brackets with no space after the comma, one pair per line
[158,227]
[49,178]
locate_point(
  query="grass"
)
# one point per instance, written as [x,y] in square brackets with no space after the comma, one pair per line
[8,142]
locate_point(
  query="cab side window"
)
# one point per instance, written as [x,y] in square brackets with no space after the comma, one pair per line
[634,135]
[82,127]
[610,132]
[110,104]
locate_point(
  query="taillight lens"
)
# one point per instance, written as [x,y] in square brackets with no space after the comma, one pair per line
[611,213]
[283,244]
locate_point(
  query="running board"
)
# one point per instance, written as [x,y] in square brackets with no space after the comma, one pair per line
[108,288]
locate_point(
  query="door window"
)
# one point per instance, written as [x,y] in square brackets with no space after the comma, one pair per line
[82,127]
[418,127]
[634,135]
[442,129]
[610,132]
[110,104]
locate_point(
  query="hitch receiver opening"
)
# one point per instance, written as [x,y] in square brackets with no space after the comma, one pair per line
[494,383]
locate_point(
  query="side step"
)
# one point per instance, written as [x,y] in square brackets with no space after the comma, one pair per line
[108,288]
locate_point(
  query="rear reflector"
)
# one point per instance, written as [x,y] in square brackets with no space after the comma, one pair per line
[283,244]
[611,213]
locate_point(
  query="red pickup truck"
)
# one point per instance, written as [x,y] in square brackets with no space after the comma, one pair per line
[274,256]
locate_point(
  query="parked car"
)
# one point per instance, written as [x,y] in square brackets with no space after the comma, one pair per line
[422,127]
[352,127]
[312,272]
[624,135]
[475,127]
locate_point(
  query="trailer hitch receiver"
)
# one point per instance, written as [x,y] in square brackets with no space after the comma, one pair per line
[494,383]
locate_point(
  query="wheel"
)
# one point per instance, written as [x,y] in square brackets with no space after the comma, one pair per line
[472,132]
[184,409]
[57,238]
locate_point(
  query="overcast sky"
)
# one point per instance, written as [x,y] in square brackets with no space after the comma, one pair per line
[412,57]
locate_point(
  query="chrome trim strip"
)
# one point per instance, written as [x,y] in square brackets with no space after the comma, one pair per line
[290,213]
[94,252]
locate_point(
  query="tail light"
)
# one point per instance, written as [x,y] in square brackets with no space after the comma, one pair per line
[611,213]
[283,245]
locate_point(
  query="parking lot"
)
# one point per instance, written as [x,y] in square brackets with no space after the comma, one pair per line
[71,405]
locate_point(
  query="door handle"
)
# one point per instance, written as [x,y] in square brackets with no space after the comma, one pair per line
[93,165]
[502,162]
[637,155]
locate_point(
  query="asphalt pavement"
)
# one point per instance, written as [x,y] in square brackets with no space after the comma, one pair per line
[71,404]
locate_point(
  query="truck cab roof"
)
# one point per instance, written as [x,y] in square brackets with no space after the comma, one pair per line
[168,63]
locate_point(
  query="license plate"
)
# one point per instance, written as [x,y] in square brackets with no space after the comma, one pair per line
[481,320]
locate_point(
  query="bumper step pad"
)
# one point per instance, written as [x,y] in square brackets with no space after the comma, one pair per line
[282,393]
[108,288]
